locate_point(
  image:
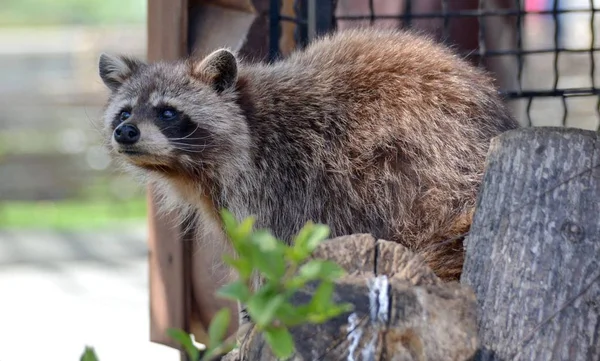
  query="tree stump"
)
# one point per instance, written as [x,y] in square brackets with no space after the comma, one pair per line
[533,253]
[402,312]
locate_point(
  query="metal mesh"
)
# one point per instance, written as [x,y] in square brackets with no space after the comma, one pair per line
[543,54]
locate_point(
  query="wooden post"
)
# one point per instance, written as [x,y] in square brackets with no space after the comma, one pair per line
[532,256]
[169,288]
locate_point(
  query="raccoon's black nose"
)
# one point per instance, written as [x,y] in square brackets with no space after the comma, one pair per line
[127,134]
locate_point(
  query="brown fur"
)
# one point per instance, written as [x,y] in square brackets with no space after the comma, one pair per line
[368,131]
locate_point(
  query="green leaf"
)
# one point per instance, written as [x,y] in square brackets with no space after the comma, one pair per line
[322,297]
[308,239]
[89,354]
[229,221]
[265,241]
[280,340]
[334,311]
[328,313]
[263,307]
[218,327]
[292,255]
[321,269]
[299,252]
[319,233]
[268,255]
[242,265]
[303,234]
[238,233]
[235,291]
[292,316]
[257,302]
[185,340]
[294,283]
[244,229]
[271,266]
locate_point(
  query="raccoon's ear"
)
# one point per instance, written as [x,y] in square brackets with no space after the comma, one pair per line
[114,70]
[218,69]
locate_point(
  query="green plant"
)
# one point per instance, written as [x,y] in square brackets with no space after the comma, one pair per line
[283,270]
[88,354]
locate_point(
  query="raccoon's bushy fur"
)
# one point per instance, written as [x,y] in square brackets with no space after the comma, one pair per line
[368,131]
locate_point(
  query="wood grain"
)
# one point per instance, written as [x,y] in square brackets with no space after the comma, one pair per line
[534,248]
[169,287]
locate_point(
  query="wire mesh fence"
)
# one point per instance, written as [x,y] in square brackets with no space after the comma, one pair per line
[543,53]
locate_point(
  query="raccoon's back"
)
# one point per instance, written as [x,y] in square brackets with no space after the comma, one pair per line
[371,131]
[386,77]
[356,97]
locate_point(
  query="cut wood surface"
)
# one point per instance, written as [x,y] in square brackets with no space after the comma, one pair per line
[534,248]
[402,310]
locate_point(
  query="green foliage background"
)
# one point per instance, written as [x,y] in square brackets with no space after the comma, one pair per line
[67,12]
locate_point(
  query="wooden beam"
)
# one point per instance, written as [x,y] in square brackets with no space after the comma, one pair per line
[167,29]
[169,287]
[533,249]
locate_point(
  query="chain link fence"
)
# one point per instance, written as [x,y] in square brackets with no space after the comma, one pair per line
[543,53]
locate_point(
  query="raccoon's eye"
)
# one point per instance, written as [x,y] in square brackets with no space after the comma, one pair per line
[167,114]
[124,115]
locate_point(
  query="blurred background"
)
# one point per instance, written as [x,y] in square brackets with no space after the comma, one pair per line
[73,253]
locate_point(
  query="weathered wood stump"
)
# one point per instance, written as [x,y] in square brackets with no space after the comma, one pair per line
[402,310]
[533,253]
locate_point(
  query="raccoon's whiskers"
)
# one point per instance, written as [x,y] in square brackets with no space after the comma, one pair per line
[201,138]
[188,150]
[94,124]
[187,136]
[189,145]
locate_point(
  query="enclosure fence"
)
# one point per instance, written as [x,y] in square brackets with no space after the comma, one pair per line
[542,53]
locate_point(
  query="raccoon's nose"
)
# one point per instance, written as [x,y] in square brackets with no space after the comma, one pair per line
[127,134]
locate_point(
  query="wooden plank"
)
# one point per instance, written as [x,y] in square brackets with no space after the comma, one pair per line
[167,29]
[532,253]
[169,287]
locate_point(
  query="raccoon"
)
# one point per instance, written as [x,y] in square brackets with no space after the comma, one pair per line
[368,131]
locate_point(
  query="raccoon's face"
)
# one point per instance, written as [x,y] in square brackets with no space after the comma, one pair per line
[170,116]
